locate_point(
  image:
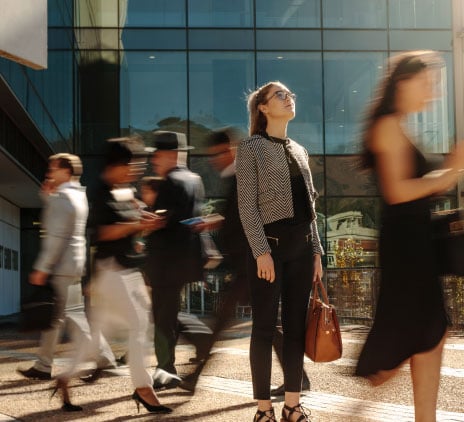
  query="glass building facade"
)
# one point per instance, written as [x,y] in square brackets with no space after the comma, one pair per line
[120,67]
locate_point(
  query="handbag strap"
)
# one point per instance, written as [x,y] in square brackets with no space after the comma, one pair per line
[318,286]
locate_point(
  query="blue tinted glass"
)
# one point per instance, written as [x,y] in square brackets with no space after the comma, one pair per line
[420,14]
[55,89]
[221,13]
[153,90]
[288,13]
[349,81]
[354,13]
[60,12]
[153,39]
[218,85]
[302,74]
[149,13]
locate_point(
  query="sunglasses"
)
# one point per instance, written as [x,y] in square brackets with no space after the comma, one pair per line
[282,96]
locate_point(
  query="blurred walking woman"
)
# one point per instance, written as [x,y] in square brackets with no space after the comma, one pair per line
[410,321]
[276,200]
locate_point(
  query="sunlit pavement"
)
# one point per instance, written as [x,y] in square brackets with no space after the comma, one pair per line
[224,392]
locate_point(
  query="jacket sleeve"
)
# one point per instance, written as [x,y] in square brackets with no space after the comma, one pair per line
[247,191]
[58,221]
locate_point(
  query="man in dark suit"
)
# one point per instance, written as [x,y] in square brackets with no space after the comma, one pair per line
[174,252]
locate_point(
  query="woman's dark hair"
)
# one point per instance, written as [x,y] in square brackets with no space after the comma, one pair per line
[257,119]
[400,67]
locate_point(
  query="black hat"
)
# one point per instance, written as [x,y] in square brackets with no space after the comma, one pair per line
[170,141]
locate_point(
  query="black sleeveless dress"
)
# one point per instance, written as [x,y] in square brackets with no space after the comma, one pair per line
[411,316]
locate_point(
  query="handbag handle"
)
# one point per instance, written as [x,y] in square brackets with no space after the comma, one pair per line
[318,285]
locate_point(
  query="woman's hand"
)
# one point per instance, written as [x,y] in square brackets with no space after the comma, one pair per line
[265,266]
[317,271]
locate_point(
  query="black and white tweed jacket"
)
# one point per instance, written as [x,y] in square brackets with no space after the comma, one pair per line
[264,188]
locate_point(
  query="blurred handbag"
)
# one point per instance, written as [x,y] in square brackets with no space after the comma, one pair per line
[448,237]
[38,310]
[323,339]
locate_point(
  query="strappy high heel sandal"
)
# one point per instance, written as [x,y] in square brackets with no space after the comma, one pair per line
[266,416]
[304,413]
[62,385]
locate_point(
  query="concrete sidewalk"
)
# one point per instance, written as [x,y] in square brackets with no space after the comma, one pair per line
[224,392]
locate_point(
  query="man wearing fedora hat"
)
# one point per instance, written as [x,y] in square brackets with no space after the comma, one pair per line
[174,252]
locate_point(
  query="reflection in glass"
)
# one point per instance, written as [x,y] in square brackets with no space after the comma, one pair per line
[218,85]
[220,13]
[420,14]
[343,177]
[302,73]
[149,13]
[288,14]
[354,295]
[349,82]
[97,13]
[354,14]
[352,232]
[153,90]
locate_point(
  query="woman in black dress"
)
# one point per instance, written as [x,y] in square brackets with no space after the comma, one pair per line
[411,320]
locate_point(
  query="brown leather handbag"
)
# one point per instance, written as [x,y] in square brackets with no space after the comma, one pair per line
[323,338]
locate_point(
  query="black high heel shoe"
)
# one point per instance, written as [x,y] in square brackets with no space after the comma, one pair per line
[62,385]
[151,408]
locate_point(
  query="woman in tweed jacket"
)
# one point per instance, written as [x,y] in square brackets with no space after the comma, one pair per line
[276,200]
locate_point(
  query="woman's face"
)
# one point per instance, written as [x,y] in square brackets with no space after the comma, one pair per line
[414,93]
[279,103]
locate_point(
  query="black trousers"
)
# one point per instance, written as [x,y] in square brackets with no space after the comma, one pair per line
[293,262]
[166,305]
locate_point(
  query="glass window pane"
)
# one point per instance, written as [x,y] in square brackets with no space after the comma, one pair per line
[354,14]
[153,39]
[288,14]
[420,40]
[96,13]
[288,39]
[60,12]
[218,85]
[345,179]
[349,81]
[355,40]
[153,91]
[222,13]
[420,14]
[352,232]
[221,39]
[293,70]
[149,13]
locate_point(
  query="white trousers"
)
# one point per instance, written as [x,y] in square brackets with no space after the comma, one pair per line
[119,296]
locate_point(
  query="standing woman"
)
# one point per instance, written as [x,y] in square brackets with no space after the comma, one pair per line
[276,200]
[410,321]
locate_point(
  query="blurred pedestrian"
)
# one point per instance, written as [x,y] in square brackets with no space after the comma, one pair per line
[61,260]
[119,293]
[174,252]
[411,321]
[276,201]
[191,327]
